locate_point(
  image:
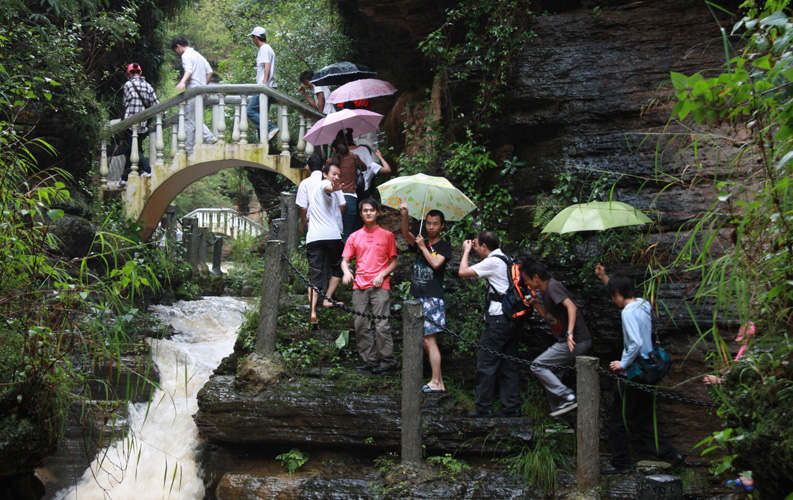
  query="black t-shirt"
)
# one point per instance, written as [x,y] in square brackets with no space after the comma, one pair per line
[555,293]
[426,281]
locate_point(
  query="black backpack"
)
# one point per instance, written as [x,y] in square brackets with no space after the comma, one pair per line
[512,300]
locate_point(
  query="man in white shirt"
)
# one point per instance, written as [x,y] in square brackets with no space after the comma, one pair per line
[319,100]
[197,71]
[323,239]
[265,75]
[498,335]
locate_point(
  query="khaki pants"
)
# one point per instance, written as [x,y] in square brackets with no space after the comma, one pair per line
[374,344]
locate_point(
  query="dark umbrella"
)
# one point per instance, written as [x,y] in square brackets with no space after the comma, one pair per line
[341,73]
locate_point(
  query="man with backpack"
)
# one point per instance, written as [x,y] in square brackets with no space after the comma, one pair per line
[632,405]
[573,338]
[499,336]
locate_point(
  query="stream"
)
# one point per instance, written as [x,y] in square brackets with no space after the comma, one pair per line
[157,459]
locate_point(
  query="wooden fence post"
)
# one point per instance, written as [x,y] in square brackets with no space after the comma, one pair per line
[588,427]
[270,296]
[412,358]
[290,213]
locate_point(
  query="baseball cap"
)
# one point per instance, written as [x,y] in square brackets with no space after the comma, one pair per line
[134,67]
[257,31]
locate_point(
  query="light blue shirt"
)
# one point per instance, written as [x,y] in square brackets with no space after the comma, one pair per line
[637,331]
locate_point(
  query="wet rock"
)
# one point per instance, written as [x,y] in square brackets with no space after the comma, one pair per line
[347,414]
[75,235]
[257,372]
[660,487]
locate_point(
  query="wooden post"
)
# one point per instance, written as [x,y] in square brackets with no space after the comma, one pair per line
[289,212]
[270,295]
[412,358]
[190,237]
[588,427]
[217,255]
[201,250]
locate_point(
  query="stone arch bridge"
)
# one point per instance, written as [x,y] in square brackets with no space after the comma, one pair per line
[172,169]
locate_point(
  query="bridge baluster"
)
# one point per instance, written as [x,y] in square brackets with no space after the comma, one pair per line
[134,155]
[152,147]
[235,131]
[222,122]
[215,119]
[309,146]
[284,130]
[103,170]
[159,144]
[243,119]
[301,144]
[264,117]
[199,119]
[182,135]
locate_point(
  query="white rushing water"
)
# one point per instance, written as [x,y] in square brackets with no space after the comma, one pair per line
[157,460]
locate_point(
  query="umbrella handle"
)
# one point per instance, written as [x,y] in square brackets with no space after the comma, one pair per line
[424,204]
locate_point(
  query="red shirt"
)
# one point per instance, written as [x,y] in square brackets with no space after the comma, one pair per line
[373,251]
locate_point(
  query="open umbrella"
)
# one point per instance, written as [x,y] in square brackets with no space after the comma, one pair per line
[424,193]
[361,89]
[341,73]
[595,215]
[360,121]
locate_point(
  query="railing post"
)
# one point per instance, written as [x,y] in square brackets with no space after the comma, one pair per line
[301,143]
[222,115]
[202,250]
[243,119]
[284,130]
[159,143]
[190,237]
[182,135]
[290,213]
[215,120]
[412,359]
[270,296]
[199,119]
[152,146]
[134,156]
[309,146]
[264,117]
[103,169]
[217,255]
[588,426]
[170,224]
[235,129]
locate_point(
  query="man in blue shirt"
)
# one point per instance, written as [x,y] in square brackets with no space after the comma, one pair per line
[632,405]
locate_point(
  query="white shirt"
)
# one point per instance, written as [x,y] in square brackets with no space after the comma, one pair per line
[266,55]
[308,185]
[322,210]
[198,67]
[372,167]
[495,271]
[329,108]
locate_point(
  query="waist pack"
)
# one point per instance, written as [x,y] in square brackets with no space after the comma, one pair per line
[652,369]
[512,300]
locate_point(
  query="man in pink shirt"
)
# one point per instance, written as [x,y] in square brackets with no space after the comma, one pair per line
[375,253]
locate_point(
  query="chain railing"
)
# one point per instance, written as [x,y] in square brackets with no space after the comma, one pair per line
[646,388]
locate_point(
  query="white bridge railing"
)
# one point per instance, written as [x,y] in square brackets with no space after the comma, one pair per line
[220,98]
[226,221]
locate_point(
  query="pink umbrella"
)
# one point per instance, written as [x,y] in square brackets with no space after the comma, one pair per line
[361,89]
[360,121]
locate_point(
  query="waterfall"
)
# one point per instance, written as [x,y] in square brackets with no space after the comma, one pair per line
[156,458]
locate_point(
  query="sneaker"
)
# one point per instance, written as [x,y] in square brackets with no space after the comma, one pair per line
[565,407]
[146,174]
[272,133]
[507,414]
[385,368]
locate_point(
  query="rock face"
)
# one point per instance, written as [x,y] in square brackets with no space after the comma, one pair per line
[350,415]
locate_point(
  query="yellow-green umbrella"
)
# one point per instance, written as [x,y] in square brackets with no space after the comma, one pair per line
[423,193]
[595,215]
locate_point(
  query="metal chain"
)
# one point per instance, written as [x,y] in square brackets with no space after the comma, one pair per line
[647,388]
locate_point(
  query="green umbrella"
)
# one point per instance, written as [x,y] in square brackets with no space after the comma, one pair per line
[594,216]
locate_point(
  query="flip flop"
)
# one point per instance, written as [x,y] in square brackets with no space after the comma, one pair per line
[428,390]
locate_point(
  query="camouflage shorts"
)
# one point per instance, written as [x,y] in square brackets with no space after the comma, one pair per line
[434,309]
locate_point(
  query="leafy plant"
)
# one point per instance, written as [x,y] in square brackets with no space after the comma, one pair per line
[449,466]
[293,459]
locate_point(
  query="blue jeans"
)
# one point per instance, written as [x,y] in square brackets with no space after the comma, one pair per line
[351,220]
[253,112]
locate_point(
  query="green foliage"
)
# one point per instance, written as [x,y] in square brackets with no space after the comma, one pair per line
[752,278]
[293,459]
[246,335]
[448,466]
[540,462]
[479,40]
[721,441]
